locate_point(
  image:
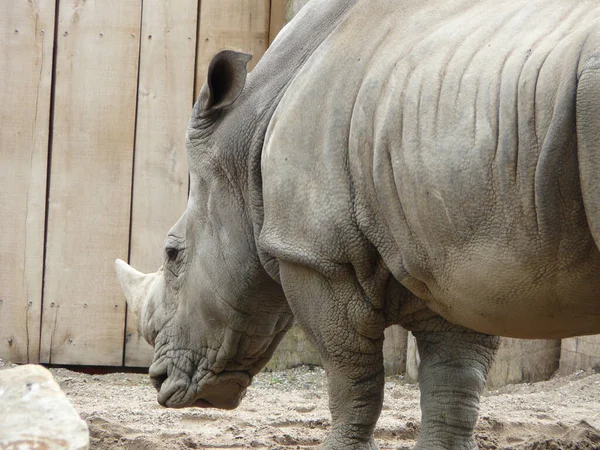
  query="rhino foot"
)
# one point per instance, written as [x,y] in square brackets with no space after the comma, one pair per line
[467,445]
[333,443]
[452,374]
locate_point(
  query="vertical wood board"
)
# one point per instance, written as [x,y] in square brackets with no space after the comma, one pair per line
[26,39]
[160,180]
[90,185]
[277,18]
[234,24]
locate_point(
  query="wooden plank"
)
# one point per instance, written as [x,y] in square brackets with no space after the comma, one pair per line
[90,185]
[26,39]
[277,19]
[160,181]
[234,24]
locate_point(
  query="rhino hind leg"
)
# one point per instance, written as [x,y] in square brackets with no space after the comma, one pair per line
[452,374]
[348,333]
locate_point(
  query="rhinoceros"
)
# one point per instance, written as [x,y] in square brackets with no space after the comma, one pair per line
[432,164]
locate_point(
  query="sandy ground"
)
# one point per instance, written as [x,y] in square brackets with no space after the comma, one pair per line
[288,410]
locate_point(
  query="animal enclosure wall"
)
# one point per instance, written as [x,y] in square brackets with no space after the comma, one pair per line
[94,102]
[95,97]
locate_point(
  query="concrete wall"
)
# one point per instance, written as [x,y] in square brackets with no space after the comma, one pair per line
[580,353]
[295,349]
[517,361]
[524,361]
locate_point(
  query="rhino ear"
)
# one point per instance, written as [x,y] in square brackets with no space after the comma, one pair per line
[225,81]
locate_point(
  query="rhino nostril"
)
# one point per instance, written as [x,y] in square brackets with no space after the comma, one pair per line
[158,380]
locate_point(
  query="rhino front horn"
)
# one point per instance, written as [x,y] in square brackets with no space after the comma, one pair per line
[135,285]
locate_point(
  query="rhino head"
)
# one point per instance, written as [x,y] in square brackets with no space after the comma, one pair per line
[212,313]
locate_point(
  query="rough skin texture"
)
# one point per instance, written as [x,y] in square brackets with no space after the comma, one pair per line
[429,164]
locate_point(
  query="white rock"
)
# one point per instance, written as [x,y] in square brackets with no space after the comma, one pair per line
[36,414]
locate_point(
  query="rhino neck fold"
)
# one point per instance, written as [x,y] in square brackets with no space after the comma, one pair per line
[267,84]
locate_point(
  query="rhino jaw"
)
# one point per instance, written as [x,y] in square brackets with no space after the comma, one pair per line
[135,285]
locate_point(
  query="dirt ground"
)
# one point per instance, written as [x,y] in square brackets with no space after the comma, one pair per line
[288,410]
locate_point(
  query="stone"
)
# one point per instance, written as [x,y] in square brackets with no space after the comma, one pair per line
[36,414]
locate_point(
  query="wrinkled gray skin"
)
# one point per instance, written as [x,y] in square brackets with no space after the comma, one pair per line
[428,164]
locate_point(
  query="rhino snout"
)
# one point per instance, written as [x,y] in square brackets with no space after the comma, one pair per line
[158,380]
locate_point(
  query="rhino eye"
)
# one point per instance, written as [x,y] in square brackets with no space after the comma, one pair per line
[172,253]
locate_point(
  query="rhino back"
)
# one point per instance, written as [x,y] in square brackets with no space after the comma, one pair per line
[445,138]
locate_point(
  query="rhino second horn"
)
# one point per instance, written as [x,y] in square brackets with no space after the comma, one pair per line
[135,285]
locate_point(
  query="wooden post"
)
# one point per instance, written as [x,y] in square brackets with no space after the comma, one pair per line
[90,180]
[26,41]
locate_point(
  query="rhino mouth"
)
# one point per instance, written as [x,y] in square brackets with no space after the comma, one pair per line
[224,390]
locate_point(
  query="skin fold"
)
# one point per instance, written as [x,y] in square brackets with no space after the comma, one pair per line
[428,164]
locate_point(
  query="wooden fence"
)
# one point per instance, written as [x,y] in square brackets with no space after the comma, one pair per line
[94,102]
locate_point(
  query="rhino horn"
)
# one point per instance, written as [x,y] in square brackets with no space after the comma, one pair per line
[135,285]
